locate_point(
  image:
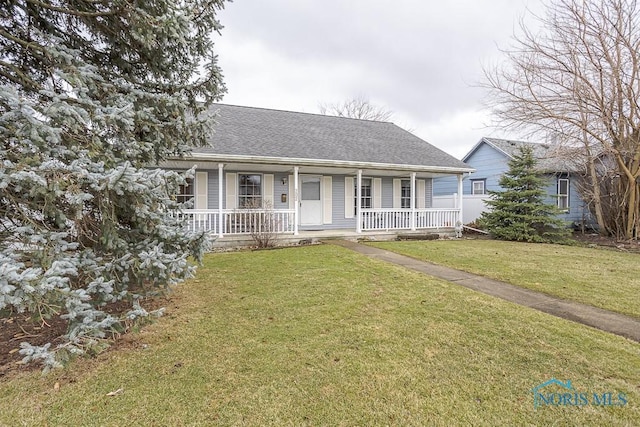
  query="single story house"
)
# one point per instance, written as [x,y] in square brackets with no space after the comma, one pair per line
[490,158]
[294,172]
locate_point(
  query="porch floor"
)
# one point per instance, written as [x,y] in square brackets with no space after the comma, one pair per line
[313,236]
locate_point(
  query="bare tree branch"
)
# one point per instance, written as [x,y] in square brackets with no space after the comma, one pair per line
[577,82]
[356,108]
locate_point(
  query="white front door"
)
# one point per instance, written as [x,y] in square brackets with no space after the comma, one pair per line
[310,200]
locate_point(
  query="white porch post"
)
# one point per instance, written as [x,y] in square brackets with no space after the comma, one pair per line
[220,199]
[296,212]
[359,202]
[460,198]
[413,201]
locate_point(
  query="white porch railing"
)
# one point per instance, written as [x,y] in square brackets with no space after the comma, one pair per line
[281,221]
[239,221]
[403,219]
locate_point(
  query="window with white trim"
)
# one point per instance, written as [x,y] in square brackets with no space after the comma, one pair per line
[186,192]
[366,196]
[405,194]
[249,191]
[477,187]
[563,193]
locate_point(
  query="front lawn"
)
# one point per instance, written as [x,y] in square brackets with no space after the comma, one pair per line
[324,336]
[601,278]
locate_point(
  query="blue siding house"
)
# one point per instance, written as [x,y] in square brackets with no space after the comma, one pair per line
[490,157]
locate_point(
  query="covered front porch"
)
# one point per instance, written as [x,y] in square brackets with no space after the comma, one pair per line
[281,198]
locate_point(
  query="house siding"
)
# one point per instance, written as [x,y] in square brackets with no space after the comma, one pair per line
[578,211]
[429,193]
[489,163]
[279,189]
[446,186]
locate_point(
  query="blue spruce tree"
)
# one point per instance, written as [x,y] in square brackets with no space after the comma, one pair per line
[93,93]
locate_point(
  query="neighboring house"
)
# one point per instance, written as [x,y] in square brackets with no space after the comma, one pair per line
[303,172]
[490,157]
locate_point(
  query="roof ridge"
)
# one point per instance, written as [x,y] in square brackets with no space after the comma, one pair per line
[517,141]
[303,112]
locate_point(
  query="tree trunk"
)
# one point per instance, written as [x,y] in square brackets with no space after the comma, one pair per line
[597,200]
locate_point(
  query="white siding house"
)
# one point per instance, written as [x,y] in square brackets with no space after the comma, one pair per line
[314,172]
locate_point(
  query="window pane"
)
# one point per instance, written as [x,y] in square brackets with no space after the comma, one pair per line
[366,199]
[477,187]
[562,202]
[563,186]
[185,192]
[311,189]
[405,194]
[249,191]
[563,193]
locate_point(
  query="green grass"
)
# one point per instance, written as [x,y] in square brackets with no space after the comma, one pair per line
[601,278]
[323,336]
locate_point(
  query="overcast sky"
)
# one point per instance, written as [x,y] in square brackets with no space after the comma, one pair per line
[418,58]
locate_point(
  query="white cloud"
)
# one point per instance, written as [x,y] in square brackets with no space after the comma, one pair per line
[455,133]
[419,59]
[257,76]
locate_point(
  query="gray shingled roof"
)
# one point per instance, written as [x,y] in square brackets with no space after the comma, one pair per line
[547,156]
[249,131]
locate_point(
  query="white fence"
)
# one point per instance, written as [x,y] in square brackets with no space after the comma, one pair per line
[472,206]
[405,219]
[282,221]
[239,221]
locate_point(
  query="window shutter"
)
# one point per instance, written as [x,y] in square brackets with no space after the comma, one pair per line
[348,197]
[267,197]
[231,182]
[428,193]
[201,190]
[292,190]
[421,192]
[327,200]
[377,193]
[397,193]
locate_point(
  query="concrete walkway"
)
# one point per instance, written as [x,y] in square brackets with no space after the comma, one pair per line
[608,321]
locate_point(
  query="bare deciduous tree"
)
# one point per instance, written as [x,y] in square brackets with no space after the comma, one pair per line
[577,80]
[357,108]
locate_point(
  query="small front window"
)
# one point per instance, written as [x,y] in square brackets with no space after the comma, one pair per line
[250,191]
[366,199]
[185,192]
[405,194]
[563,194]
[477,187]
